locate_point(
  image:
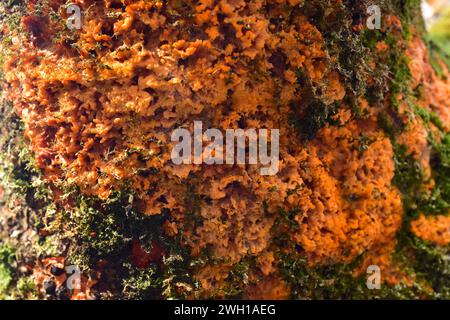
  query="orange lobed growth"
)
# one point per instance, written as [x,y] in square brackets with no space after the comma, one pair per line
[435,229]
[99,115]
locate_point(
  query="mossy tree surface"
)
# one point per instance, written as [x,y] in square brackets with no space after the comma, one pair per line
[123,247]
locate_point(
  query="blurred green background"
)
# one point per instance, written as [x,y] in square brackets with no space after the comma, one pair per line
[440,30]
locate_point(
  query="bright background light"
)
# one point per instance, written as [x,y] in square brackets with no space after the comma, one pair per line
[437,18]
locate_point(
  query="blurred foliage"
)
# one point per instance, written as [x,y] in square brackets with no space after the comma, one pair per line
[440,31]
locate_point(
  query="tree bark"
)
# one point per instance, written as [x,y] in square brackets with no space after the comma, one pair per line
[357,208]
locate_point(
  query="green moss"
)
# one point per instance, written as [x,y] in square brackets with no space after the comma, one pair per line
[400,77]
[438,201]
[13,285]
[336,282]
[363,143]
[393,78]
[18,172]
[177,279]
[409,12]
[353,55]
[312,118]
[5,279]
[15,9]
[25,289]
[432,263]
[428,263]
[429,117]
[408,176]
[238,279]
[105,231]
[142,284]
[6,268]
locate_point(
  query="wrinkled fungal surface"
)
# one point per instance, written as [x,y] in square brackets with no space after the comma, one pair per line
[87,178]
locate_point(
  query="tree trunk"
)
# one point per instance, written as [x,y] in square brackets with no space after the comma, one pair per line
[95,206]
